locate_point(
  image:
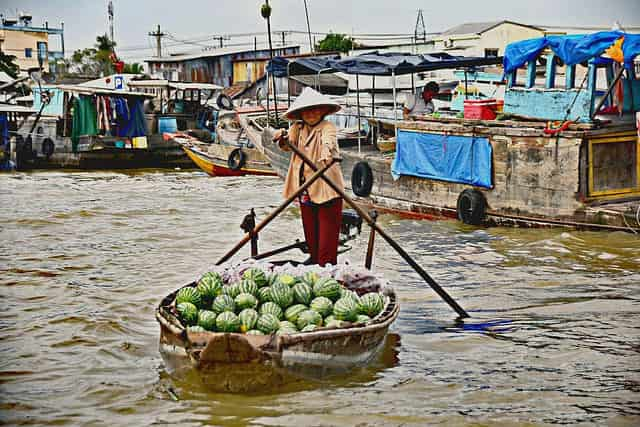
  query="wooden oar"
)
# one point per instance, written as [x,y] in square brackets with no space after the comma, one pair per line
[279,209]
[372,223]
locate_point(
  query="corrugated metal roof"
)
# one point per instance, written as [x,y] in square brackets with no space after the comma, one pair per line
[214,53]
[481,27]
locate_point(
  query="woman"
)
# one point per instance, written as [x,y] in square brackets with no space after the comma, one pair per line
[320,205]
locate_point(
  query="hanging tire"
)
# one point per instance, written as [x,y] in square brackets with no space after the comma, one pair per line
[224,102]
[471,207]
[48,147]
[237,159]
[362,179]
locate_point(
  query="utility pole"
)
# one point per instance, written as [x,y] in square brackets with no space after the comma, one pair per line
[110,13]
[221,39]
[420,32]
[306,12]
[158,35]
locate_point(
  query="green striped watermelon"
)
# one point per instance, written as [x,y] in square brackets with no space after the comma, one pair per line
[254,332]
[362,318]
[302,293]
[292,313]
[309,328]
[189,294]
[285,324]
[188,313]
[282,295]
[245,301]
[328,288]
[335,324]
[233,290]
[248,319]
[248,287]
[195,329]
[257,276]
[268,323]
[346,293]
[228,322]
[310,278]
[223,303]
[371,304]
[207,320]
[329,318]
[271,308]
[345,309]
[322,306]
[264,294]
[209,287]
[309,317]
[287,279]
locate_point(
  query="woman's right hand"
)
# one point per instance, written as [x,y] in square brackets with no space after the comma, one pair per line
[279,135]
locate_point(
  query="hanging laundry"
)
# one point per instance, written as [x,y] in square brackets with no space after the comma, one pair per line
[84,120]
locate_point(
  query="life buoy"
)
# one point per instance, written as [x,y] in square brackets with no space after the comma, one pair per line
[237,159]
[48,147]
[362,179]
[471,207]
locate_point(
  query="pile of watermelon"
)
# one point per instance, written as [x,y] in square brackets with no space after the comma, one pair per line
[262,303]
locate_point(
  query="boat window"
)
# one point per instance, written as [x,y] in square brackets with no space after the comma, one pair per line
[613,165]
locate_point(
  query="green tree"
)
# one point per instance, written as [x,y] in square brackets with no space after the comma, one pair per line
[8,65]
[334,42]
[134,68]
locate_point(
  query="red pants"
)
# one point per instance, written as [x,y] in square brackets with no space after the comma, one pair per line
[322,230]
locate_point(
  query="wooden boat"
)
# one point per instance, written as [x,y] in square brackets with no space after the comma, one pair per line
[583,172]
[238,362]
[223,159]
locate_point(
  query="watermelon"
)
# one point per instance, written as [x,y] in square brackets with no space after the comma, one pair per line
[328,288]
[264,294]
[190,295]
[207,320]
[254,332]
[248,319]
[309,317]
[246,301]
[286,331]
[257,276]
[310,278]
[329,318]
[188,313]
[282,295]
[335,324]
[248,287]
[271,308]
[322,306]
[309,328]
[346,293]
[209,287]
[268,323]
[195,329]
[272,279]
[371,304]
[292,313]
[285,324]
[287,279]
[362,318]
[232,290]
[227,322]
[302,293]
[223,303]
[345,309]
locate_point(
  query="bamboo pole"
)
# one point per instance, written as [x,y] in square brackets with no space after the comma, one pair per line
[279,209]
[372,223]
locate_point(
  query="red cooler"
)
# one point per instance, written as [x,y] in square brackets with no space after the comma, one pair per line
[480,109]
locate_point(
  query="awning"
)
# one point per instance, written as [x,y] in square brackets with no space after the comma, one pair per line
[85,90]
[572,49]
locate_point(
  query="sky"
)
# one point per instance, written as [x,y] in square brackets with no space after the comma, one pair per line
[190,19]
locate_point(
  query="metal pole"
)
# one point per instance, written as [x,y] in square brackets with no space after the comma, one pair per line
[273,78]
[274,214]
[606,95]
[358,102]
[306,12]
[368,261]
[434,285]
[395,106]
[288,84]
[373,97]
[268,115]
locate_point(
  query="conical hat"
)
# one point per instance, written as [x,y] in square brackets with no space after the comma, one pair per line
[310,98]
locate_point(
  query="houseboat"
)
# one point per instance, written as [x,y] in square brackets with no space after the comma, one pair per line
[551,157]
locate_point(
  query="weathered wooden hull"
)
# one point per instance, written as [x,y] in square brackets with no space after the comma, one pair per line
[239,362]
[538,180]
[213,158]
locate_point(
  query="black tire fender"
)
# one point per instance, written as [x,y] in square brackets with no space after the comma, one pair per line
[48,147]
[471,207]
[237,159]
[362,179]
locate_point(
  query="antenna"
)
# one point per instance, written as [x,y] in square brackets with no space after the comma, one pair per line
[158,35]
[110,14]
[420,32]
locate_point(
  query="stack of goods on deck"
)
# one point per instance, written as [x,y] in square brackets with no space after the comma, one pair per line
[260,301]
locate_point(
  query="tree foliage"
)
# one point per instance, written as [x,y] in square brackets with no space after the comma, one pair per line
[8,65]
[334,42]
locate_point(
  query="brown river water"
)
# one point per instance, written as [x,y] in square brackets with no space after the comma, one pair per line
[85,258]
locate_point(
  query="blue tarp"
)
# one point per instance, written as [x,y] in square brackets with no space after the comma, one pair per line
[375,64]
[572,49]
[462,159]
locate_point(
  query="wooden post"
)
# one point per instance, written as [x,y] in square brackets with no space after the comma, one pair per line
[372,235]
[550,81]
[531,74]
[570,77]
[248,225]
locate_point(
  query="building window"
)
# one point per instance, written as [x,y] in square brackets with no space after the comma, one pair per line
[42,51]
[28,52]
[491,53]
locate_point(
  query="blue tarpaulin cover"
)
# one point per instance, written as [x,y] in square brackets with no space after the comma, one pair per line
[463,159]
[572,49]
